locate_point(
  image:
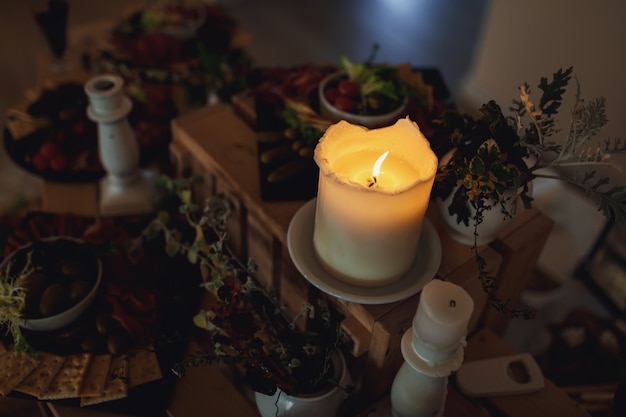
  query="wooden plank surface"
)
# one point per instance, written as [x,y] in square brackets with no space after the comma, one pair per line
[206,391]
[80,199]
[216,137]
[549,402]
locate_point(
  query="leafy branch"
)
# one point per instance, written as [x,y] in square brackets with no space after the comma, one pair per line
[511,140]
[542,117]
[494,158]
[241,324]
[488,281]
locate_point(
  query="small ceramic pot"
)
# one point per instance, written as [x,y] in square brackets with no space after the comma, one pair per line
[327,403]
[333,114]
[493,222]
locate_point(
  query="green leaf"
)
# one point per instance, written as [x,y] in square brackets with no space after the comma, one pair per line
[185,196]
[553,92]
[477,165]
[163,217]
[201,320]
[308,133]
[204,270]
[294,363]
[192,254]
[172,247]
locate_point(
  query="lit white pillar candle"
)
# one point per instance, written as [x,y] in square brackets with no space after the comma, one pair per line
[442,315]
[367,232]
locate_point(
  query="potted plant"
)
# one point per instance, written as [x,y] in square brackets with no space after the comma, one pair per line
[241,324]
[493,160]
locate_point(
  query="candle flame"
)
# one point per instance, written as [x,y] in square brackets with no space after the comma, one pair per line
[378,163]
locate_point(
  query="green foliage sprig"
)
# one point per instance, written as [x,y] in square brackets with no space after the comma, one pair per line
[243,324]
[489,153]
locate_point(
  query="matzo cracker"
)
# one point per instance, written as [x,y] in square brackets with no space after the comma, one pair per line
[14,368]
[115,387]
[37,382]
[96,377]
[143,367]
[67,382]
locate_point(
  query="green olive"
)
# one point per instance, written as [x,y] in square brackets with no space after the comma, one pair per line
[104,322]
[53,300]
[72,268]
[91,342]
[118,341]
[79,290]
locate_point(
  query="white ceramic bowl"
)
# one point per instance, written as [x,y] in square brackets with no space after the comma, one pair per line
[72,313]
[333,114]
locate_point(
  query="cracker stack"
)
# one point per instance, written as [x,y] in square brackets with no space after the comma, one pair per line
[92,378]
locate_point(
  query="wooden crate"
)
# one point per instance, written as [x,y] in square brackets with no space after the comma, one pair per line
[219,145]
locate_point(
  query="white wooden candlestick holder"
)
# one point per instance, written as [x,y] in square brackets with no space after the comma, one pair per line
[433,350]
[126,189]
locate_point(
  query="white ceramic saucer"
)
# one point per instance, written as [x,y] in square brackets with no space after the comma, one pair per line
[300,245]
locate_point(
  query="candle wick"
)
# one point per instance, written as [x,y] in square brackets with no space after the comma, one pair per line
[452,303]
[372,182]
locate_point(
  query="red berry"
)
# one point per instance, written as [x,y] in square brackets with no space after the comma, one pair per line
[40,162]
[78,127]
[58,162]
[349,88]
[331,94]
[344,103]
[49,149]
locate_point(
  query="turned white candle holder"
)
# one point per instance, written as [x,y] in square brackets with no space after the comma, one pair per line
[433,349]
[126,189]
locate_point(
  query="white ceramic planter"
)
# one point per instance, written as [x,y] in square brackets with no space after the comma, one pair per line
[325,404]
[494,221]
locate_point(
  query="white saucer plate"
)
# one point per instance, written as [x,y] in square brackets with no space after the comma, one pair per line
[302,252]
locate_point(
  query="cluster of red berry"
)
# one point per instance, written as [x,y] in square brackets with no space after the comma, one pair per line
[345,96]
[51,154]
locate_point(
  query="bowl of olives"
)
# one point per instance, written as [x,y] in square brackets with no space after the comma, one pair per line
[62,280]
